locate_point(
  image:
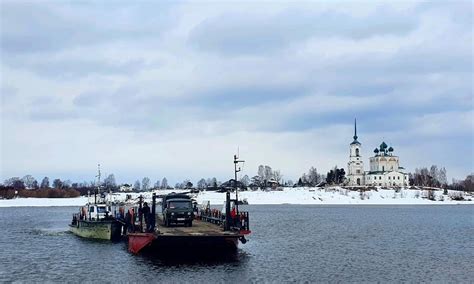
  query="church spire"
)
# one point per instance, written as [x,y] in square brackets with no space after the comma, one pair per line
[355,129]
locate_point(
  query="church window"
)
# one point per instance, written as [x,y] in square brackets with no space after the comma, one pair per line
[358,171]
[357,152]
[388,177]
[380,177]
[383,168]
[398,177]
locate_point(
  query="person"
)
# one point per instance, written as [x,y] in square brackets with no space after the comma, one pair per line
[146,215]
[130,220]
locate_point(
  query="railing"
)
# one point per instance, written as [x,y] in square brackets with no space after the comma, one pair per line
[239,222]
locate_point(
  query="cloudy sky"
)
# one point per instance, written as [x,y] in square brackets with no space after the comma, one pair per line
[173,89]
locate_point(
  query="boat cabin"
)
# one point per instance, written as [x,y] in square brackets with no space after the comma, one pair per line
[98,211]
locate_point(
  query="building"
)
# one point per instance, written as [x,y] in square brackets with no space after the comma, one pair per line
[384,168]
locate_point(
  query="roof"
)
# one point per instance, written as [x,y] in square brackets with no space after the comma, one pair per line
[355,142]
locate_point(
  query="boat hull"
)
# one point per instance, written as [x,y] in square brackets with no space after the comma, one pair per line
[159,244]
[102,230]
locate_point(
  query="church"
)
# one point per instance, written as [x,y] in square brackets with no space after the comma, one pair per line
[384,170]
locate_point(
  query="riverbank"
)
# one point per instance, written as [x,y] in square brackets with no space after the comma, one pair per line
[314,196]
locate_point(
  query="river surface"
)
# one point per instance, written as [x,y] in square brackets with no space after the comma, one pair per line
[289,243]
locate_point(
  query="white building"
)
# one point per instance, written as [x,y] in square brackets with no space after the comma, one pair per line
[384,170]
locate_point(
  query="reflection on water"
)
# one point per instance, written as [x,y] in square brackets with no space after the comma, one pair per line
[289,244]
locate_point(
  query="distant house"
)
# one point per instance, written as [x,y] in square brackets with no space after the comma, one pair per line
[126,188]
[272,183]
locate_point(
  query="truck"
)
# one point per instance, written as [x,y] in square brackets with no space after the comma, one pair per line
[177,209]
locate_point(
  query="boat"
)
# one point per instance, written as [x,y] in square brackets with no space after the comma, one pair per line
[211,230]
[95,220]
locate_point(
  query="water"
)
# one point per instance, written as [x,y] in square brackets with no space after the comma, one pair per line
[289,243]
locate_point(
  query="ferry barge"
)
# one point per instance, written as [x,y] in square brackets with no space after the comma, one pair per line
[211,230]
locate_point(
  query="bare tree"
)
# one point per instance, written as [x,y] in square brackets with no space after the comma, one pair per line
[137,185]
[164,183]
[28,180]
[57,184]
[145,184]
[245,180]
[261,172]
[201,184]
[45,183]
[277,176]
[157,184]
[109,182]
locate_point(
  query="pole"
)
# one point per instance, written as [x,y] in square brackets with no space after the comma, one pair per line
[153,213]
[140,213]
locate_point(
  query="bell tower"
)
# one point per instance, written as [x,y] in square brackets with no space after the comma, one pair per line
[355,167]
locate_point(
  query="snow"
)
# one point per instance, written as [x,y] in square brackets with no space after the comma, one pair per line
[315,196]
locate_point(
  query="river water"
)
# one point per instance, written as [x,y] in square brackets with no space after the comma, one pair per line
[288,243]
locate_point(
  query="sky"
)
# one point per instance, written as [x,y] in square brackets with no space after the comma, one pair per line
[174,89]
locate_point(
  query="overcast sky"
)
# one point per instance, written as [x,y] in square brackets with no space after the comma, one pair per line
[173,89]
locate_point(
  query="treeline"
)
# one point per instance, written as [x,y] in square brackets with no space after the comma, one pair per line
[8,192]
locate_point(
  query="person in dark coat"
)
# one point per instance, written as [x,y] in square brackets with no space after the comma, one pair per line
[146,215]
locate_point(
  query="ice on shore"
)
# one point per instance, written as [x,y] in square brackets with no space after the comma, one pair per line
[316,196]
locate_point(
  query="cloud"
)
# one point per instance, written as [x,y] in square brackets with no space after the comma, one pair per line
[248,32]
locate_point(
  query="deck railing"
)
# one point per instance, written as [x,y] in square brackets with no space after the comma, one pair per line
[240,221]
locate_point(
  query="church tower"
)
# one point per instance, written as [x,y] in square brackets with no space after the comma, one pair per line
[355,167]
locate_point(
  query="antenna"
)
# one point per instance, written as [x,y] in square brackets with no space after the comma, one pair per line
[98,179]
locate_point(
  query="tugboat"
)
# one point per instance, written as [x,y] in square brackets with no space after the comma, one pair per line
[209,230]
[95,220]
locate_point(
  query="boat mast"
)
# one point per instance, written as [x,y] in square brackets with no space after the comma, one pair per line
[98,180]
[236,170]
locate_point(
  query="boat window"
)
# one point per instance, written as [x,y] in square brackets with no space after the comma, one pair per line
[180,204]
[101,209]
[92,209]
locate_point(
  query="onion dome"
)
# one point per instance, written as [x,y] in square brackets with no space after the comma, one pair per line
[376,151]
[390,149]
[383,146]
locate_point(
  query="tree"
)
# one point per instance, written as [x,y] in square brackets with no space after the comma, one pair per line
[57,184]
[268,173]
[336,176]
[164,183]
[257,180]
[188,184]
[145,184]
[28,180]
[443,180]
[15,182]
[201,184]
[35,184]
[66,184]
[277,176]
[157,184]
[45,183]
[261,172]
[109,182]
[245,180]
[214,182]
[468,183]
[137,185]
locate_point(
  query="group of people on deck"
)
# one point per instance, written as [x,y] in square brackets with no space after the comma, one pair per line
[131,218]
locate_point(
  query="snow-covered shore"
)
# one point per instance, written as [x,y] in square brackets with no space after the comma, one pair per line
[315,196]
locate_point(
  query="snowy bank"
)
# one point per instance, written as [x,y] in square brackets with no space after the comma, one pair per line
[337,196]
[315,196]
[43,202]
